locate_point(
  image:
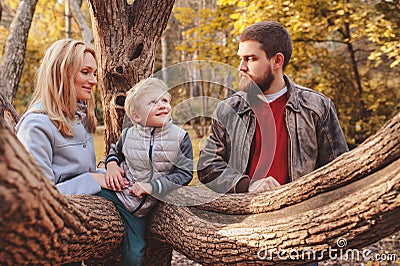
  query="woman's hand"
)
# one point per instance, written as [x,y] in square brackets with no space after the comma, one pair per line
[100,178]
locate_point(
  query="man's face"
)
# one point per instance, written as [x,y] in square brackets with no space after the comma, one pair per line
[255,65]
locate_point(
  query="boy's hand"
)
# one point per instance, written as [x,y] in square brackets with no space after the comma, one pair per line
[114,177]
[139,189]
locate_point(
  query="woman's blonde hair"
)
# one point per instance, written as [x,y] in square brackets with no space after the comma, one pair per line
[140,89]
[55,89]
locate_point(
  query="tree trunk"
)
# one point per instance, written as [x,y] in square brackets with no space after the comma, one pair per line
[40,225]
[359,214]
[353,203]
[86,31]
[68,19]
[125,38]
[14,52]
[164,57]
[8,112]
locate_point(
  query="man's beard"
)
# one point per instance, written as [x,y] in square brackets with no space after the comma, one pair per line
[255,87]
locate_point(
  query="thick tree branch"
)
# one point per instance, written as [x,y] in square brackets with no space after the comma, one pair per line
[375,153]
[87,34]
[39,225]
[8,112]
[14,52]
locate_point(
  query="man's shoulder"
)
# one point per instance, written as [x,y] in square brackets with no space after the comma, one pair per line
[311,92]
[235,101]
[236,97]
[178,131]
[312,98]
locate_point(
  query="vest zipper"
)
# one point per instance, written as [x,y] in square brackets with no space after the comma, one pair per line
[151,168]
[151,153]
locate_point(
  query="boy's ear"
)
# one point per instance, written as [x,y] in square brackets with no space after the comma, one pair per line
[135,117]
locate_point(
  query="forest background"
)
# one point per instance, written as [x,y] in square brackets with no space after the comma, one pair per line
[349,49]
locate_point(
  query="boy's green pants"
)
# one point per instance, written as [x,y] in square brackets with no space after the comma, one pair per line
[133,243]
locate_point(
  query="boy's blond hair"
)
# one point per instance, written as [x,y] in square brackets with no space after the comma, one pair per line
[140,89]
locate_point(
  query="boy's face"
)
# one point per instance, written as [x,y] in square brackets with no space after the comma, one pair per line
[154,109]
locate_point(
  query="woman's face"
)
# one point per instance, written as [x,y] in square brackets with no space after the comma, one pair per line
[86,79]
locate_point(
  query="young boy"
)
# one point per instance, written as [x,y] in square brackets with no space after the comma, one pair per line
[150,159]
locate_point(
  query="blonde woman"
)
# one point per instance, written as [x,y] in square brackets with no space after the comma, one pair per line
[57,128]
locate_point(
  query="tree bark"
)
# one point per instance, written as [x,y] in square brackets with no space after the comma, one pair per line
[8,112]
[125,38]
[86,31]
[38,225]
[376,152]
[360,213]
[14,52]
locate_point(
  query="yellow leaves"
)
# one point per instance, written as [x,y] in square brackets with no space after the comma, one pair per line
[11,3]
[241,4]
[235,16]
[185,15]
[227,2]
[395,63]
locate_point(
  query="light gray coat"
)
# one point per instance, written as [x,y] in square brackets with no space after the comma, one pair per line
[67,162]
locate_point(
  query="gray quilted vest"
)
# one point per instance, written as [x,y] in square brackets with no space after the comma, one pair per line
[149,154]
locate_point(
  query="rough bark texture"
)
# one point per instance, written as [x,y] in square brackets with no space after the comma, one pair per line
[347,199]
[39,225]
[125,38]
[14,51]
[8,112]
[361,213]
[376,152]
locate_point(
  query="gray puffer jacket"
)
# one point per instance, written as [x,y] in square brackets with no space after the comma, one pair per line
[315,137]
[162,157]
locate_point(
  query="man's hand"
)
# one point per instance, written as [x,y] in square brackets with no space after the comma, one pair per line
[114,177]
[139,189]
[263,184]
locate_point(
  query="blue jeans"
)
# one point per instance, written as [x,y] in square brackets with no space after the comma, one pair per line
[133,243]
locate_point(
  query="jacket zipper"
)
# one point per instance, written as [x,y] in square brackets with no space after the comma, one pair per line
[290,164]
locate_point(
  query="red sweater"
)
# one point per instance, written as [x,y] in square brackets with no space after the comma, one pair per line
[272,159]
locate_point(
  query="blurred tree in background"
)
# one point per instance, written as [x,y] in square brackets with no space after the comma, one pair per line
[347,49]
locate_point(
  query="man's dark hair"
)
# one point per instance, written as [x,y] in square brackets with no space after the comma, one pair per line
[273,37]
